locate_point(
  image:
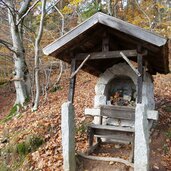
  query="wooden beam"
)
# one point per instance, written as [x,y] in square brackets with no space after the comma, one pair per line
[129,63]
[140,78]
[81,65]
[72,81]
[105,43]
[106,54]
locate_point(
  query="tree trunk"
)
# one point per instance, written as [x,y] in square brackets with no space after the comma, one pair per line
[37,54]
[21,74]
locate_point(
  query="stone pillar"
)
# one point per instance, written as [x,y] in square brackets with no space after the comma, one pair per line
[141,149]
[68,136]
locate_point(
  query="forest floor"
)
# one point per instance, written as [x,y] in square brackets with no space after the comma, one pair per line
[17,152]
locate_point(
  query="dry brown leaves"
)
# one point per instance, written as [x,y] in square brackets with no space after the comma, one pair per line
[47,120]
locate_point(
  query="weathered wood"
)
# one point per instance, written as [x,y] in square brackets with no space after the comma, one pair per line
[72,81]
[118,112]
[70,35]
[140,78]
[105,43]
[112,128]
[130,29]
[74,73]
[122,34]
[106,55]
[90,136]
[129,63]
[112,22]
[119,160]
[116,137]
[92,149]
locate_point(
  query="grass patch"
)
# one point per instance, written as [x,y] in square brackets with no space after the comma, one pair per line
[82,128]
[13,112]
[14,154]
[167,108]
[23,148]
[55,88]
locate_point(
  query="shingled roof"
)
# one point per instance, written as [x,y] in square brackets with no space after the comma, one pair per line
[87,38]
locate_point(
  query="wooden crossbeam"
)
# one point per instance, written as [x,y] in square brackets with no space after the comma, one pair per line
[106,54]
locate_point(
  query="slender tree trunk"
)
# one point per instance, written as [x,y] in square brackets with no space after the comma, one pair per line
[109,8]
[37,54]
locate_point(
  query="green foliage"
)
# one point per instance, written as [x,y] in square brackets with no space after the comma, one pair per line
[55,88]
[13,155]
[168,134]
[35,142]
[23,148]
[82,128]
[165,149]
[13,112]
[167,108]
[90,9]
[31,144]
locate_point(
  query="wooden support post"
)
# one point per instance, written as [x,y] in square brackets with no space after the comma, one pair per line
[140,78]
[105,43]
[72,81]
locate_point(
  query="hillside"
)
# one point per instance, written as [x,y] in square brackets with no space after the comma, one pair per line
[42,128]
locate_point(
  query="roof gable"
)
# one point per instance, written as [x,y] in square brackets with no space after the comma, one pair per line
[120,30]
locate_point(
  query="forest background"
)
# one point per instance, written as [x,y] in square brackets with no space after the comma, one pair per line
[28,79]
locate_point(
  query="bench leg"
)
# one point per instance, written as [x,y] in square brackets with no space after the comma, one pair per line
[131,157]
[90,136]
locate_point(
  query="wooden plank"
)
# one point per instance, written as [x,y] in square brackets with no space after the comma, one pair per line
[71,35]
[72,81]
[81,65]
[119,137]
[107,54]
[131,29]
[118,112]
[112,128]
[92,149]
[140,78]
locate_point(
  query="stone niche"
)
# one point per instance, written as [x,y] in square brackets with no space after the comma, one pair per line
[121,77]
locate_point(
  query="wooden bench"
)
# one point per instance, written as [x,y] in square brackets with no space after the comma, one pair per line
[112,132]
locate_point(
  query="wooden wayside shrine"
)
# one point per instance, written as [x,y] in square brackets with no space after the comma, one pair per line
[98,45]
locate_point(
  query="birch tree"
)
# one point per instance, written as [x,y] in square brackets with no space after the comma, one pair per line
[16,15]
[37,56]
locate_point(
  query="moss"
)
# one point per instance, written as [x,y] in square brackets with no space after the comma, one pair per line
[55,88]
[165,149]
[35,142]
[167,108]
[23,148]
[14,154]
[13,112]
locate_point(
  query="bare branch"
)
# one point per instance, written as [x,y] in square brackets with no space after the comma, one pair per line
[7,45]
[148,18]
[24,7]
[6,56]
[9,6]
[62,16]
[27,12]
[51,6]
